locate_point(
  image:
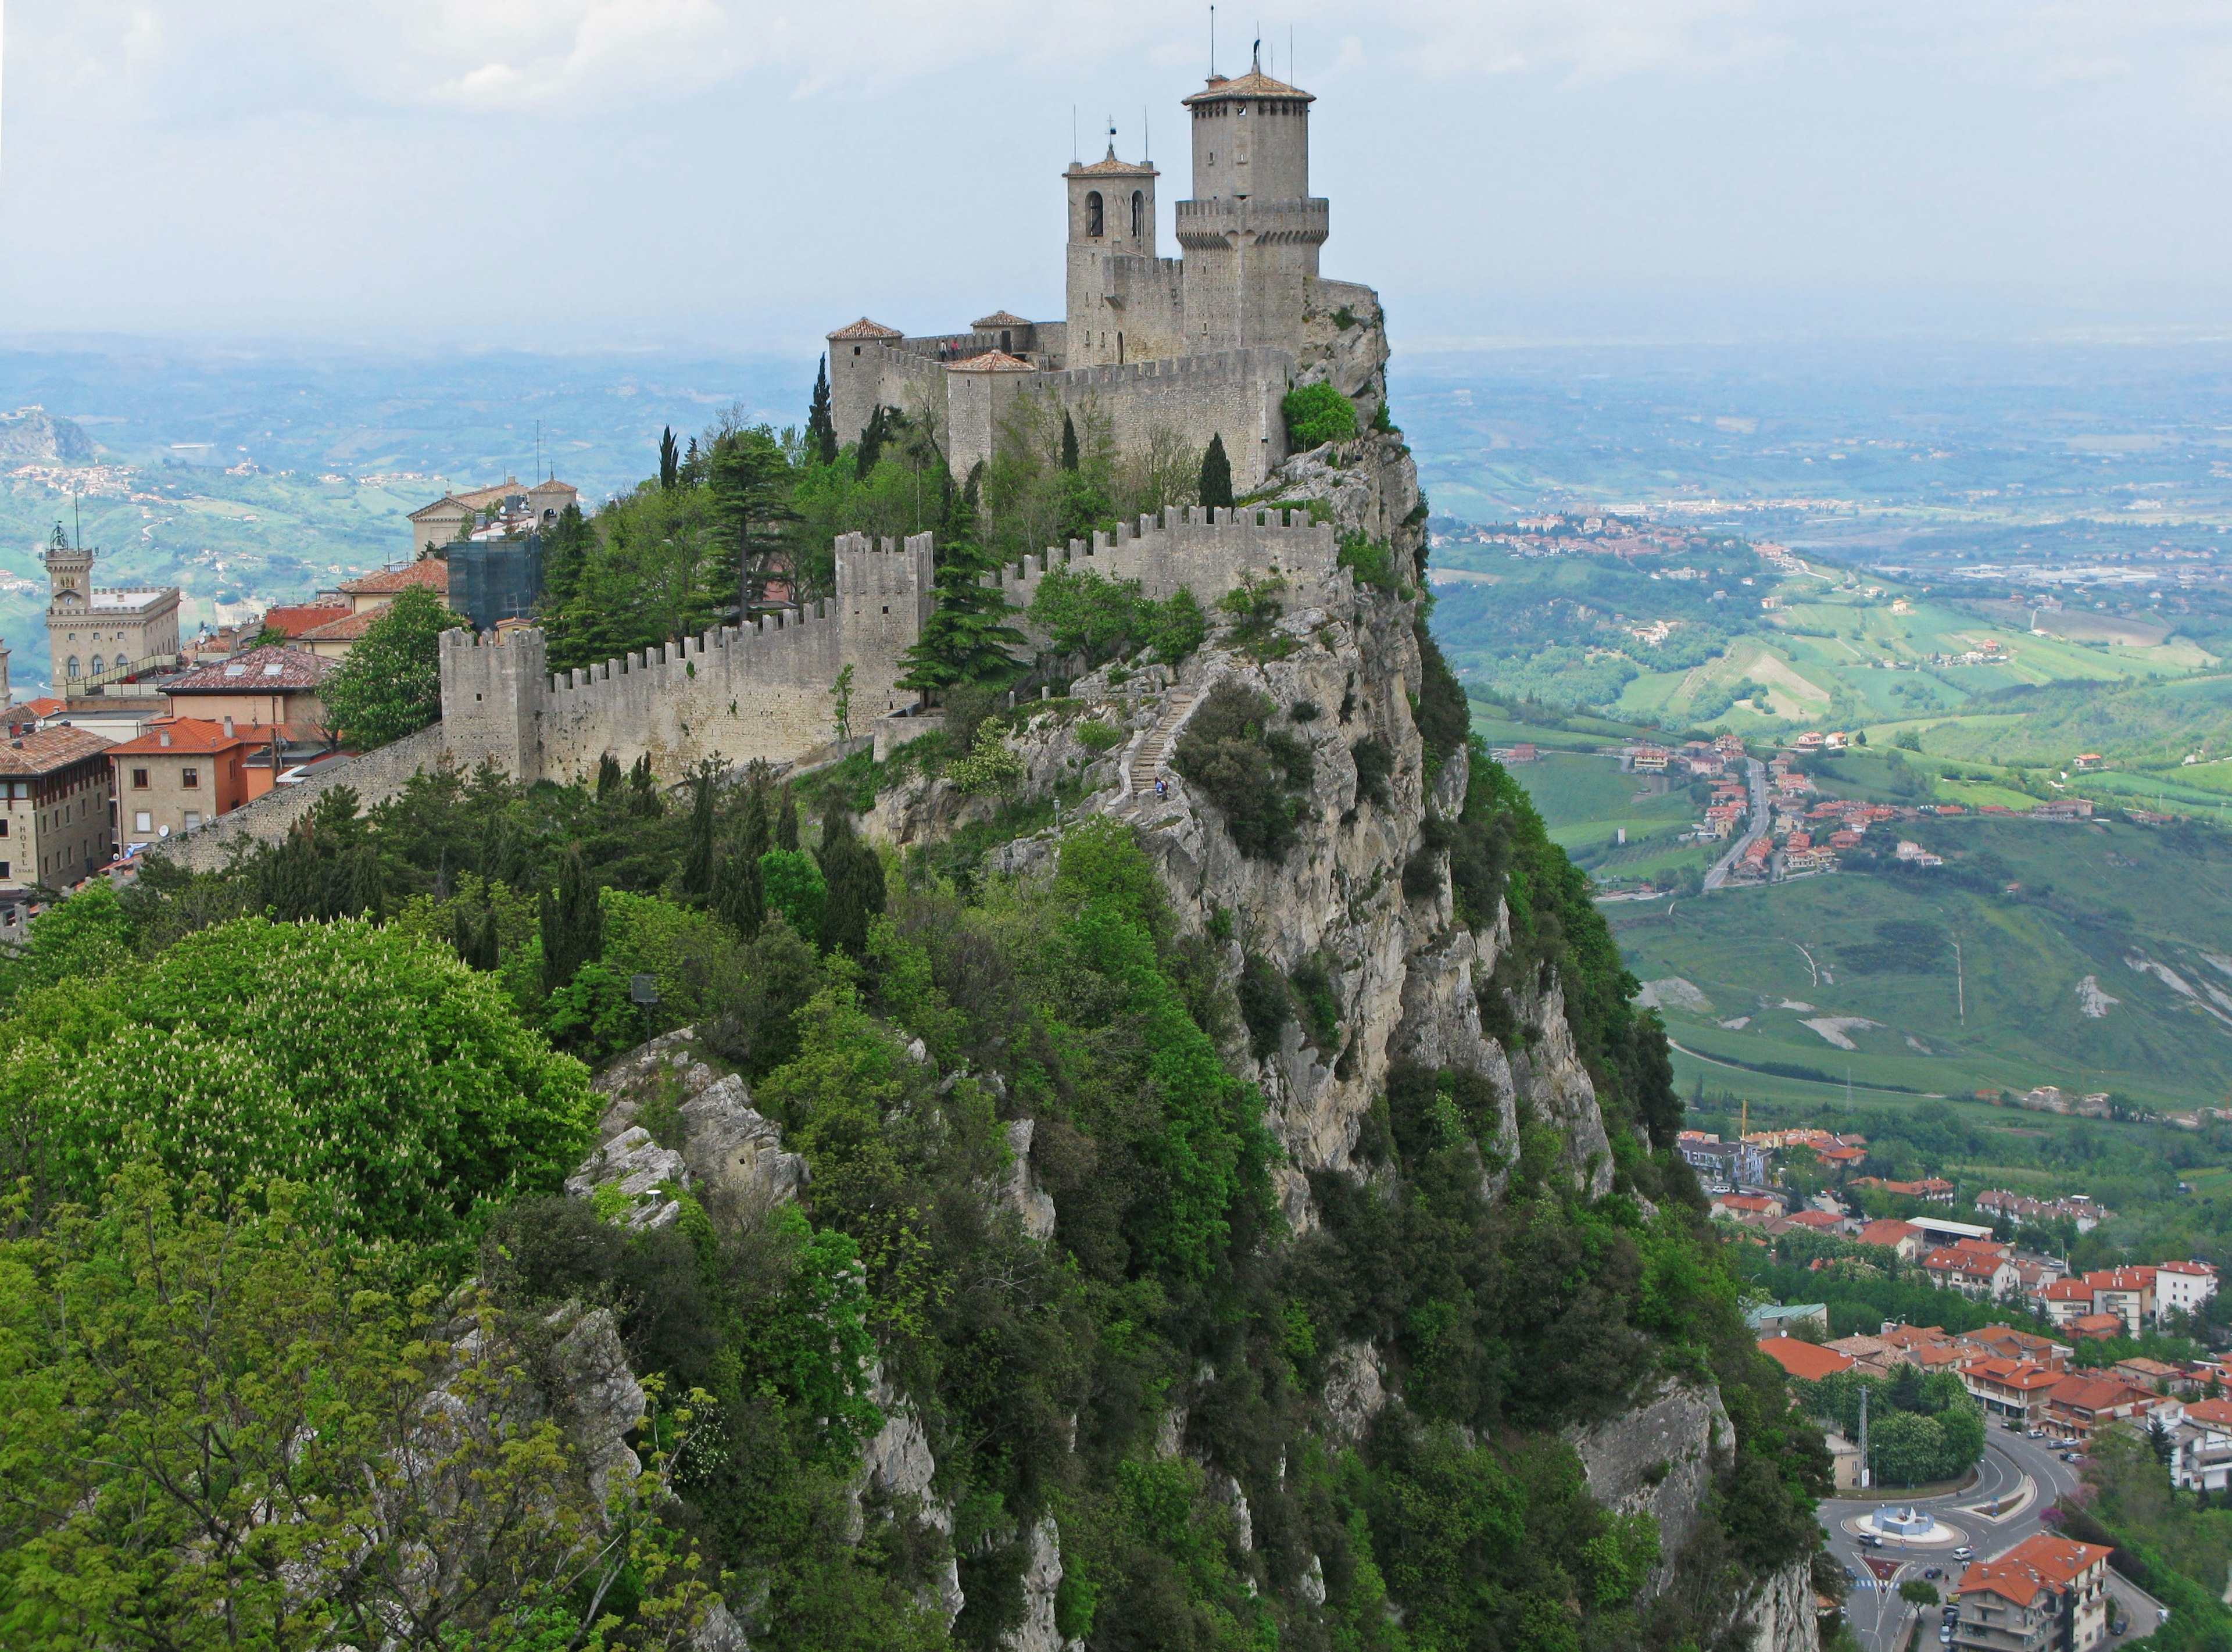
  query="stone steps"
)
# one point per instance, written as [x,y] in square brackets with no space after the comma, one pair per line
[1149,757]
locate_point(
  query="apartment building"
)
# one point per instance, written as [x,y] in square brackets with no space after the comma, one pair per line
[56,828]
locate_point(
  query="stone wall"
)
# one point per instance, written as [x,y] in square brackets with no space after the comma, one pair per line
[1207,552]
[375,777]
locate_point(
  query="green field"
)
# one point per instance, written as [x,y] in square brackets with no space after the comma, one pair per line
[2127,923]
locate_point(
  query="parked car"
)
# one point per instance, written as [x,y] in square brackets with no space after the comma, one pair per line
[1965,1552]
[2036,1434]
[1932,1572]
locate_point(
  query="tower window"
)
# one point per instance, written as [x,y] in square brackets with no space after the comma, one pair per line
[1093,225]
[1138,214]
[72,667]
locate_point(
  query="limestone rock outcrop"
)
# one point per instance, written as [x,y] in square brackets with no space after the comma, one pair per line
[1657,1458]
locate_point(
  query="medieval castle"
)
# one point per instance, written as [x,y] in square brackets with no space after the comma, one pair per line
[1206,345]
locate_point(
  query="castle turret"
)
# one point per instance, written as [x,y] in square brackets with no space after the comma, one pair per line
[1252,231]
[1112,217]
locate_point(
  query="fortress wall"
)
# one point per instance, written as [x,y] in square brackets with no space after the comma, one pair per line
[1232,393]
[1135,307]
[1208,553]
[880,375]
[763,690]
[375,777]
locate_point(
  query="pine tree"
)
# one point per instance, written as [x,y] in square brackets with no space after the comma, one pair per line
[697,862]
[644,801]
[740,895]
[820,427]
[855,877]
[967,639]
[573,921]
[1216,475]
[1068,443]
[363,890]
[609,778]
[489,949]
[786,822]
[565,548]
[670,459]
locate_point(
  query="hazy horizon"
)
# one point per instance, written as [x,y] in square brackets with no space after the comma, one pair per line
[609,174]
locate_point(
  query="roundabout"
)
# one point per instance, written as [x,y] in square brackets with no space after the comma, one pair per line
[1910,1526]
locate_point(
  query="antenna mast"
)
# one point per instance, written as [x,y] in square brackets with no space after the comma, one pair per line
[1212,43]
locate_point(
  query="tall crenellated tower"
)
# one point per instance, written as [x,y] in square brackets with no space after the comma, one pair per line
[1111,216]
[1252,231]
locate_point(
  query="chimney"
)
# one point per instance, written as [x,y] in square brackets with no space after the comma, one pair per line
[228,728]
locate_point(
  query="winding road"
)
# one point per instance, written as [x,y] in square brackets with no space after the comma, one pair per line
[2012,1464]
[1756,825]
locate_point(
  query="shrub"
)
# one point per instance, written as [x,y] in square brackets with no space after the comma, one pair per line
[1265,1006]
[1372,560]
[1248,768]
[795,888]
[390,684]
[991,769]
[1375,765]
[1317,414]
[1096,737]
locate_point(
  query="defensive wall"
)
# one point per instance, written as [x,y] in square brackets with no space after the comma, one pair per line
[764,691]
[1207,552]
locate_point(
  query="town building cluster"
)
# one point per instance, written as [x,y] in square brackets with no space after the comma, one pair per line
[1591,532]
[147,736]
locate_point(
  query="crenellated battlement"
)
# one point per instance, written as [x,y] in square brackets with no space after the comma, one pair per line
[1207,552]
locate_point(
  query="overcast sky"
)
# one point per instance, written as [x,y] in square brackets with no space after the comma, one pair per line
[727,174]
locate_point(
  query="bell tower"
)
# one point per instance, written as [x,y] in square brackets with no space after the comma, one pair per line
[69,604]
[1112,215]
[1252,230]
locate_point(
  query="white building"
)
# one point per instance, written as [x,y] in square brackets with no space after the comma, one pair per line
[2181,1287]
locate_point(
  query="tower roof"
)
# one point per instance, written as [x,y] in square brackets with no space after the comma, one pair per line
[992,361]
[864,328]
[1253,84]
[1108,165]
[997,319]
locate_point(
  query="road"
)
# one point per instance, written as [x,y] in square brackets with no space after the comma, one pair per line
[1880,1619]
[1758,821]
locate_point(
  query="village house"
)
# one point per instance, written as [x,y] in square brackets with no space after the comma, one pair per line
[2079,1405]
[264,691]
[2047,1594]
[365,597]
[2181,1287]
[182,772]
[2011,1388]
[1753,1207]
[2201,1446]
[1902,1237]
[1808,1361]
[506,507]
[55,829]
[1971,1273]
[2141,1372]
[2006,1342]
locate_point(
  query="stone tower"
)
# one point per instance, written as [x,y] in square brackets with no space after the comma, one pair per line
[69,603]
[1111,222]
[1252,230]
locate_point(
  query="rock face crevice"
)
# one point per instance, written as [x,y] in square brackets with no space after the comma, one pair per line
[1657,1458]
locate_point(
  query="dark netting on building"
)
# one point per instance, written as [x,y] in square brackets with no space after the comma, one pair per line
[496,579]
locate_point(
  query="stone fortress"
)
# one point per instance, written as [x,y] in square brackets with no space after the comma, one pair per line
[1206,344]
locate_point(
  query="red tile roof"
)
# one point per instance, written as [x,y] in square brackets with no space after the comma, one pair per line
[430,572]
[186,735]
[2069,1290]
[252,673]
[2042,1564]
[345,628]
[992,361]
[294,621]
[864,328]
[1815,1218]
[1888,1234]
[49,749]
[2217,1412]
[1253,84]
[1962,1262]
[2097,1393]
[1805,1360]
[44,707]
[2013,1373]
[2100,1325]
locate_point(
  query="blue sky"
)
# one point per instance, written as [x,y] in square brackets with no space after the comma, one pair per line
[561,173]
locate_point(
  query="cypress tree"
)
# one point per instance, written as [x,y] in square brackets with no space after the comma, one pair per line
[489,949]
[572,920]
[855,877]
[786,822]
[609,778]
[670,458]
[363,891]
[697,862]
[462,938]
[1216,475]
[740,898]
[643,791]
[872,444]
[1068,443]
[820,427]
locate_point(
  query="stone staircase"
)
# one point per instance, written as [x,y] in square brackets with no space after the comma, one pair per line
[1148,759]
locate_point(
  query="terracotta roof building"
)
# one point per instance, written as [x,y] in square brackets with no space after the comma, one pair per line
[2010,1388]
[268,688]
[1901,1237]
[2048,1592]
[291,622]
[55,827]
[2077,1405]
[1809,1361]
[182,773]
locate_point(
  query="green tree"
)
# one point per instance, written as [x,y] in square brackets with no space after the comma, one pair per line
[567,546]
[573,924]
[1216,475]
[1068,442]
[697,862]
[820,427]
[670,458]
[854,875]
[786,822]
[740,895]
[795,888]
[1317,414]
[967,639]
[749,475]
[842,692]
[422,1096]
[391,683]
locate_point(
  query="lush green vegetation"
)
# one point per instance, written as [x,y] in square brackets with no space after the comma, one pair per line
[391,683]
[2173,1544]
[1921,1430]
[1317,414]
